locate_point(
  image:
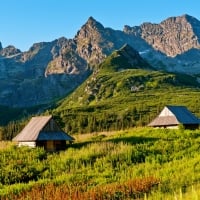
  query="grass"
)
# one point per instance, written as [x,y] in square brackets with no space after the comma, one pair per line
[135,163]
[106,101]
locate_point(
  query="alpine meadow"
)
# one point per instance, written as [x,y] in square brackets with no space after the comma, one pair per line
[103,88]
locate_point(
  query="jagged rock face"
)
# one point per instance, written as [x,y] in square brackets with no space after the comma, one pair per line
[173,36]
[67,62]
[88,41]
[22,76]
[94,42]
[9,51]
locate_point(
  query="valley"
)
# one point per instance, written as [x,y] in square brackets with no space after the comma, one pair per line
[103,87]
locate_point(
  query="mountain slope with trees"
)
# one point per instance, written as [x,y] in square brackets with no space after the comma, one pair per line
[123,92]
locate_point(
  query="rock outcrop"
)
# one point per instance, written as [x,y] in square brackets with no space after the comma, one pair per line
[9,51]
[172,37]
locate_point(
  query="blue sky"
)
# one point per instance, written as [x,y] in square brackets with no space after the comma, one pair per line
[24,22]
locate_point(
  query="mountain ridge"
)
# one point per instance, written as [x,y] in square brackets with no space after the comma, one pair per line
[123,92]
[53,69]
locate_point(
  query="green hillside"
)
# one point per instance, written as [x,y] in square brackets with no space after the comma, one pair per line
[141,163]
[124,91]
[124,58]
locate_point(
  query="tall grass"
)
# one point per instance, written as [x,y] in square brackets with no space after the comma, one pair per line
[124,165]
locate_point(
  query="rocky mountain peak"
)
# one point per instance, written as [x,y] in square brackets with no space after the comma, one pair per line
[93,24]
[88,40]
[183,20]
[195,24]
[9,51]
[174,35]
[89,28]
[189,18]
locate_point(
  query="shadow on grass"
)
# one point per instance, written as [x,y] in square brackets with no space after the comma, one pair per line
[134,140]
[79,145]
[129,140]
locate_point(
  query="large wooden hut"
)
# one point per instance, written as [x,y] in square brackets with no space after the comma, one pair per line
[173,116]
[43,131]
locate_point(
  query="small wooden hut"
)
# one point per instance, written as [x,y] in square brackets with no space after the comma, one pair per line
[43,131]
[173,116]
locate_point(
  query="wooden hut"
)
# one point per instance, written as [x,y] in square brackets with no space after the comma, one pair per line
[43,131]
[173,116]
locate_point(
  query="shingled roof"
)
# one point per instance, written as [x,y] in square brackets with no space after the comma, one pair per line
[175,115]
[34,131]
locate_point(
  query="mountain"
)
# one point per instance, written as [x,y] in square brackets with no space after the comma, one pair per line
[172,36]
[50,70]
[95,42]
[103,82]
[122,59]
[9,51]
[26,78]
[124,72]
[124,91]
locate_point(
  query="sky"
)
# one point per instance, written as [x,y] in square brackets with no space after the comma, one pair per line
[25,22]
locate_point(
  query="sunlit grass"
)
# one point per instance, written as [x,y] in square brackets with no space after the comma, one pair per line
[107,161]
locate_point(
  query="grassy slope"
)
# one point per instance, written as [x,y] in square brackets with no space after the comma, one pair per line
[111,97]
[105,163]
[123,92]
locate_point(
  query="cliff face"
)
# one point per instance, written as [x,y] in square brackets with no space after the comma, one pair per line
[50,70]
[68,61]
[9,51]
[172,37]
[89,39]
[27,79]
